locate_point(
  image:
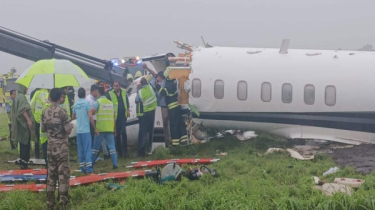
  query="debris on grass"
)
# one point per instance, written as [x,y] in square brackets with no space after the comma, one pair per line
[271,150]
[354,183]
[246,135]
[331,171]
[332,188]
[298,156]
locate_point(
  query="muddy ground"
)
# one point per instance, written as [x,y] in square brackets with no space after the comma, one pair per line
[361,157]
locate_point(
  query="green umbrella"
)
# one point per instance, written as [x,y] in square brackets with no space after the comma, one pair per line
[53,73]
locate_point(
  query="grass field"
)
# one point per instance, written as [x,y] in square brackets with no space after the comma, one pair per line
[246,181]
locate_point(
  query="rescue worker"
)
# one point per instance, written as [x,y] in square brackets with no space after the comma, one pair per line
[55,122]
[130,79]
[37,102]
[82,112]
[22,124]
[105,124]
[159,80]
[66,104]
[137,75]
[9,107]
[120,100]
[104,143]
[176,123]
[44,135]
[147,96]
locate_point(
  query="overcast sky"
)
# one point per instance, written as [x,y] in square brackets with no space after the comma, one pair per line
[118,28]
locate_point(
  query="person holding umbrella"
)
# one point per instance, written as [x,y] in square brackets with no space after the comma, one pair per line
[23,121]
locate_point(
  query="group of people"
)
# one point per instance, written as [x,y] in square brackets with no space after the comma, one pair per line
[51,120]
[101,123]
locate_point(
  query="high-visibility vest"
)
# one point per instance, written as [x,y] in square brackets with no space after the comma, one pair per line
[114,100]
[10,104]
[37,102]
[148,98]
[66,106]
[44,136]
[105,115]
[171,92]
[139,109]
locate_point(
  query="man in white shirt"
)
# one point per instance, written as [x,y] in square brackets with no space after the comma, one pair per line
[91,98]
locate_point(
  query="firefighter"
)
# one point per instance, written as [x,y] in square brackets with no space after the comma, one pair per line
[119,98]
[137,75]
[147,96]
[177,125]
[37,102]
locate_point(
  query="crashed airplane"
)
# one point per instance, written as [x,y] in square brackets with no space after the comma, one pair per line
[294,93]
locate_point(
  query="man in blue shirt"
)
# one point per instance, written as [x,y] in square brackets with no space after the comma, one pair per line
[9,107]
[82,112]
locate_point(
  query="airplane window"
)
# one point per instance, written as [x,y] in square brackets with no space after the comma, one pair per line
[242,90]
[266,92]
[219,89]
[309,94]
[287,93]
[196,89]
[330,95]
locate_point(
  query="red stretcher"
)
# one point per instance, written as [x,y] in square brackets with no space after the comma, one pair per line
[26,171]
[76,181]
[152,163]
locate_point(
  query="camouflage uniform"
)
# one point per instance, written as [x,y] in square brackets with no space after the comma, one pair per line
[55,122]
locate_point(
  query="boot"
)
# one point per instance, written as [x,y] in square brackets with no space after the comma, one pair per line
[51,200]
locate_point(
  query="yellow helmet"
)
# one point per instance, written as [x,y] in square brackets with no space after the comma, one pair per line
[96,81]
[148,78]
[138,74]
[129,76]
[166,72]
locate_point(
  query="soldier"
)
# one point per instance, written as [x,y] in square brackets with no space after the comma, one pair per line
[55,122]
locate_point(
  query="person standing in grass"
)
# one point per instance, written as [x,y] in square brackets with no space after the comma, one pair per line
[55,122]
[82,112]
[44,135]
[9,107]
[22,123]
[105,124]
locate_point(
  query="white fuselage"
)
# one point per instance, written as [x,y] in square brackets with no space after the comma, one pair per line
[341,79]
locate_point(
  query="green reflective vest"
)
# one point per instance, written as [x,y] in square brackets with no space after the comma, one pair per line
[10,104]
[44,136]
[148,97]
[105,115]
[65,106]
[37,102]
[139,109]
[113,97]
